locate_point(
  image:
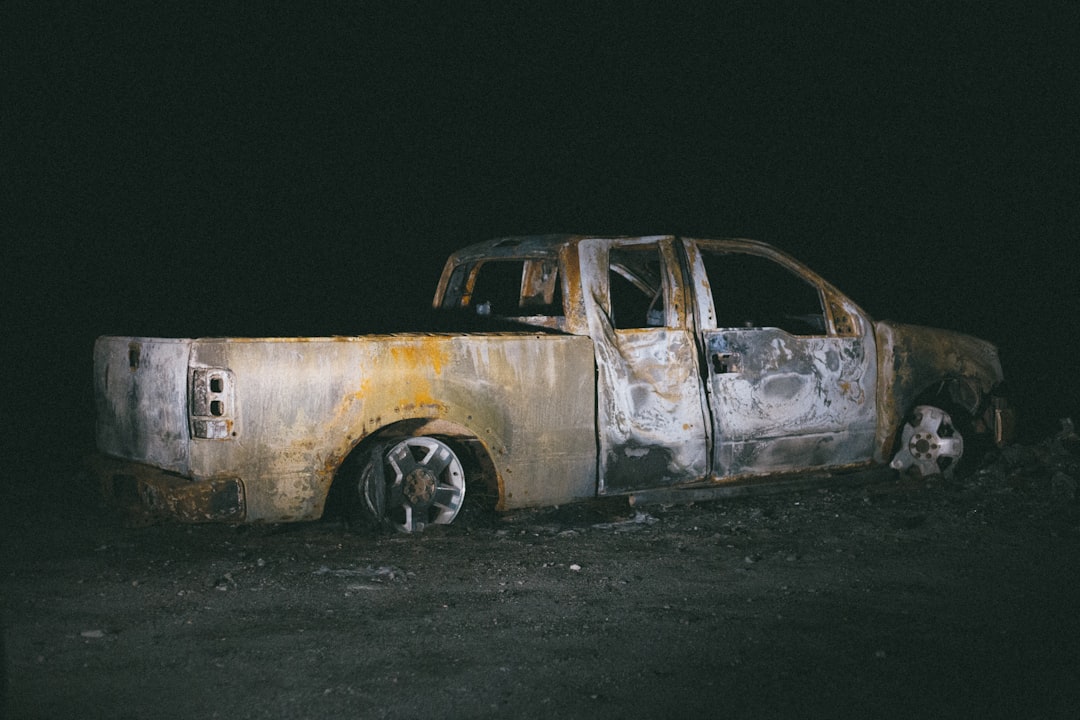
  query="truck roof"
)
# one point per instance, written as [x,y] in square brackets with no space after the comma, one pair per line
[516,246]
[549,245]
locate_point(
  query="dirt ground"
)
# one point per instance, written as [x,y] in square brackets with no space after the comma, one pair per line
[897,599]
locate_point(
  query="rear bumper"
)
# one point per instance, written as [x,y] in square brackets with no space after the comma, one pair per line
[151,493]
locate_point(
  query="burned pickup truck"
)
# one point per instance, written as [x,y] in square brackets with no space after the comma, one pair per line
[656,368]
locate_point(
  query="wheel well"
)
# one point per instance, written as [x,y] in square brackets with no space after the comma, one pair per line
[960,397]
[481,476]
[955,396]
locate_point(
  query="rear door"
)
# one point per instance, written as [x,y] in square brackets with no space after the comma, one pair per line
[790,362]
[653,426]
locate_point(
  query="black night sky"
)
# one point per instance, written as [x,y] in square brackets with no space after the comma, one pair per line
[301,170]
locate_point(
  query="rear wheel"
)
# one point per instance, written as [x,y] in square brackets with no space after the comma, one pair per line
[930,444]
[412,484]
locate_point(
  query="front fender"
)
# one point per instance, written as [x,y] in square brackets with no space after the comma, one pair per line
[913,359]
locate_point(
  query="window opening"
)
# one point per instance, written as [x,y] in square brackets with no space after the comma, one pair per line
[517,288]
[753,291]
[636,287]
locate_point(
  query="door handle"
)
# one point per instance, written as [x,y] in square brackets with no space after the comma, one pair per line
[726,362]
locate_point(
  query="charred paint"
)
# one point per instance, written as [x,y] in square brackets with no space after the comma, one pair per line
[632,466]
[920,356]
[304,406]
[781,400]
[148,493]
[915,360]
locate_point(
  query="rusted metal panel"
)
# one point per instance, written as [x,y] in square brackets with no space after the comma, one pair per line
[301,404]
[916,359]
[652,424]
[574,307]
[305,403]
[754,486]
[140,389]
[783,402]
[147,493]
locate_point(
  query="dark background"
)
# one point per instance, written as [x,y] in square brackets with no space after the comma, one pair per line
[300,171]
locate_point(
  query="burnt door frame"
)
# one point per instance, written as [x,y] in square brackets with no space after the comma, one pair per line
[651,409]
[781,401]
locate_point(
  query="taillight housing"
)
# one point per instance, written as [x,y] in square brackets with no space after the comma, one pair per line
[212,409]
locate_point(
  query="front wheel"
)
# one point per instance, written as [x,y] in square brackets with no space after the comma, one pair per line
[415,483]
[930,444]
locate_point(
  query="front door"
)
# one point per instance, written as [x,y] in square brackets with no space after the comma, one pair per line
[791,363]
[650,398]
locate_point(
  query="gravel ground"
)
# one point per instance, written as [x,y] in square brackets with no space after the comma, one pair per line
[951,599]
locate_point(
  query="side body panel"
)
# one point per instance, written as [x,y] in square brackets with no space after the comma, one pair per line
[303,404]
[785,403]
[651,418]
[915,359]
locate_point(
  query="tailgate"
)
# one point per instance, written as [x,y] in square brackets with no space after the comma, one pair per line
[140,390]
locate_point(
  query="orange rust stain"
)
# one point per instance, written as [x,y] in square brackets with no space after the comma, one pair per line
[420,398]
[424,398]
[347,406]
[421,351]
